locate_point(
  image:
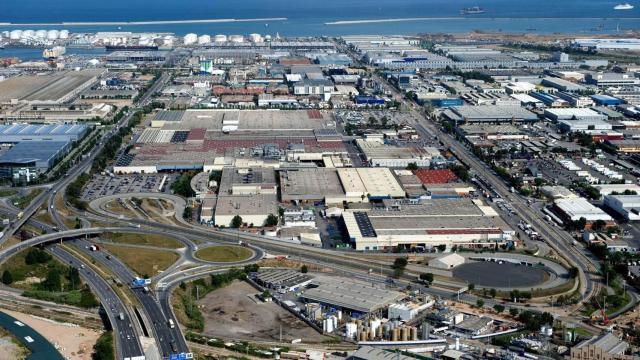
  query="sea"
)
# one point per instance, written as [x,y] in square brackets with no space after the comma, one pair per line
[322,17]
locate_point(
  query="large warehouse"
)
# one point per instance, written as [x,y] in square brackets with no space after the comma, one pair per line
[426,223]
[626,205]
[211,139]
[493,114]
[50,89]
[576,208]
[30,150]
[253,209]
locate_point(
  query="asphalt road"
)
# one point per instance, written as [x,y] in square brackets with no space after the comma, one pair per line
[127,342]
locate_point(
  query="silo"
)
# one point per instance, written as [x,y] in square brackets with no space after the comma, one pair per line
[64,34]
[426,330]
[220,38]
[204,39]
[395,334]
[53,34]
[386,330]
[28,34]
[190,39]
[255,38]
[236,38]
[41,34]
[404,333]
[15,34]
[414,333]
[351,329]
[379,332]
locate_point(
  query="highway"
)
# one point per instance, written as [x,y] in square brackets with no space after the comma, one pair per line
[123,328]
[164,335]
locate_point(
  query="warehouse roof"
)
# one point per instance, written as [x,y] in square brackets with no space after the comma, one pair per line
[351,294]
[580,207]
[247,205]
[33,151]
[493,112]
[441,176]
[312,181]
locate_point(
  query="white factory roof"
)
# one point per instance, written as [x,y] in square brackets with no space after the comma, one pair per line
[374,182]
[564,113]
[525,98]
[581,207]
[448,261]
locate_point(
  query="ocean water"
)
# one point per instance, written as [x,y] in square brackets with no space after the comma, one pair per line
[307,17]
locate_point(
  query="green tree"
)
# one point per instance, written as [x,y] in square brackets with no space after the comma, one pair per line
[412,166]
[187,214]
[74,278]
[236,222]
[87,299]
[471,286]
[272,220]
[493,293]
[103,348]
[7,277]
[304,269]
[513,311]
[53,281]
[426,277]
[498,308]
[399,264]
[598,225]
[479,303]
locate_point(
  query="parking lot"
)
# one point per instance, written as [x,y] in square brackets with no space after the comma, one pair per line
[105,185]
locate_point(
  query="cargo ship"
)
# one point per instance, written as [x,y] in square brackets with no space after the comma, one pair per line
[625,6]
[131,47]
[472,10]
[54,52]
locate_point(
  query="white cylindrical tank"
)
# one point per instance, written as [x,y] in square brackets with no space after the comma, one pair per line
[41,34]
[15,34]
[220,38]
[64,34]
[236,38]
[190,39]
[27,34]
[267,38]
[204,39]
[255,38]
[53,34]
[351,330]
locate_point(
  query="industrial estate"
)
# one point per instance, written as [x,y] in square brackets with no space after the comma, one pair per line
[471,196]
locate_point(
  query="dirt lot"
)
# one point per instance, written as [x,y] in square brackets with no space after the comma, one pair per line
[74,342]
[230,313]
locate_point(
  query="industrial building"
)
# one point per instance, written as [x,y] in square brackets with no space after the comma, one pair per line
[312,184]
[248,181]
[282,280]
[489,114]
[573,114]
[253,209]
[572,209]
[372,183]
[602,347]
[212,139]
[447,261]
[50,89]
[626,205]
[426,223]
[31,150]
[348,295]
[383,155]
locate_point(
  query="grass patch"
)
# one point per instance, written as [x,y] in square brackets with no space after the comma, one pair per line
[224,253]
[115,207]
[144,262]
[143,239]
[24,201]
[7,192]
[21,352]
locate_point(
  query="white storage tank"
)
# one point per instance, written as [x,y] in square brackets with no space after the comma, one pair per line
[53,34]
[351,329]
[41,34]
[204,39]
[190,39]
[15,34]
[220,38]
[236,38]
[28,34]
[255,38]
[64,34]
